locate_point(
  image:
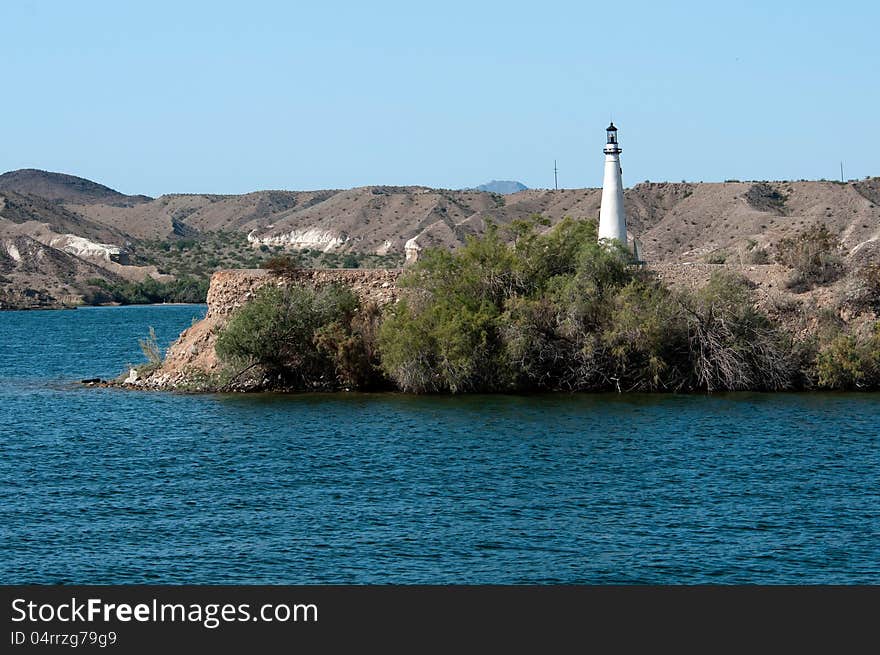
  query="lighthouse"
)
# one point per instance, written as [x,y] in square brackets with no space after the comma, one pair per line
[612,217]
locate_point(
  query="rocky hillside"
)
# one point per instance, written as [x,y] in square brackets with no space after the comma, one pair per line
[48,253]
[686,222]
[733,222]
[60,187]
[672,221]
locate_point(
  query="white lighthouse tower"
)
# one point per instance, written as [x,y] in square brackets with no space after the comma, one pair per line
[612,217]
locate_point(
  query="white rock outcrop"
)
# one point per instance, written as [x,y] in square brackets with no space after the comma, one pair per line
[412,250]
[82,247]
[12,250]
[312,238]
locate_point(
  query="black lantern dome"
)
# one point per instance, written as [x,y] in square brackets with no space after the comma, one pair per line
[611,146]
[612,133]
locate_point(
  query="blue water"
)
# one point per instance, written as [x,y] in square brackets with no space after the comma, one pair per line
[109,486]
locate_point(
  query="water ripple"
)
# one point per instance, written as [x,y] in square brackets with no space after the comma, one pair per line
[103,486]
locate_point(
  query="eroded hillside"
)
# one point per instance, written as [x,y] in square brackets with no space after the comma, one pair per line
[733,222]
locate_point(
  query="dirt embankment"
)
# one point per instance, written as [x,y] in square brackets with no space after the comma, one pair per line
[799,313]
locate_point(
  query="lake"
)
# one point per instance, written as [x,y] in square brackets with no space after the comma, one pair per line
[113,486]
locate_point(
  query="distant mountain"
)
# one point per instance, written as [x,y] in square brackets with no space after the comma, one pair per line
[62,188]
[503,187]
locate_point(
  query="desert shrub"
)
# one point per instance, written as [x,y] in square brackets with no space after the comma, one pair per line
[752,254]
[152,352]
[277,333]
[500,316]
[717,257]
[848,362]
[764,197]
[863,290]
[756,256]
[97,295]
[353,349]
[350,260]
[283,265]
[734,346]
[150,348]
[815,254]
[647,339]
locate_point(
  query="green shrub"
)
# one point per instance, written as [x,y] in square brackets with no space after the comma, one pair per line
[841,364]
[353,348]
[560,311]
[647,339]
[847,362]
[496,316]
[298,337]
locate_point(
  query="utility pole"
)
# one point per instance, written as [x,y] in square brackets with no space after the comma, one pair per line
[841,172]
[555,176]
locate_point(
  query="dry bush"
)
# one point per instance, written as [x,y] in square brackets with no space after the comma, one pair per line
[863,290]
[733,345]
[815,254]
[283,265]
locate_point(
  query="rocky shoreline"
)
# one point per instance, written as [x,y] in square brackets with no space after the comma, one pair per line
[191,363]
[30,299]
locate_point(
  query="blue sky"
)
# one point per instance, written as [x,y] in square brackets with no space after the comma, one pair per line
[229,97]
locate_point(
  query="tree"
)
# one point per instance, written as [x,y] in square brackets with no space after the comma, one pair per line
[512,309]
